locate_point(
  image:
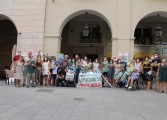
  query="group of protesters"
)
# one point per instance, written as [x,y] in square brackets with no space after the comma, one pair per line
[42,71]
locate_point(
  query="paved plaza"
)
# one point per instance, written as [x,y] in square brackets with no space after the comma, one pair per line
[68,103]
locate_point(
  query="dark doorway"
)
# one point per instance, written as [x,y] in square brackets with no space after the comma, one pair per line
[8,38]
[92,56]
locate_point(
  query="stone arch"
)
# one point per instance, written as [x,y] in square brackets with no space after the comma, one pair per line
[154,13]
[81,12]
[8,39]
[145,41]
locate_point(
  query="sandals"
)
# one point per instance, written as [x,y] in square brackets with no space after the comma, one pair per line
[157,90]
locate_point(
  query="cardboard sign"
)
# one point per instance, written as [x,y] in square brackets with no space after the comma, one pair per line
[89,79]
[60,56]
[123,56]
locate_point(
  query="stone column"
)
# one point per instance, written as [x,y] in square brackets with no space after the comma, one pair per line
[131,50]
[114,46]
[52,45]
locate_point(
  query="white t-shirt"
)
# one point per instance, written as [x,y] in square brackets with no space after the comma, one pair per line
[54,70]
[137,66]
[95,65]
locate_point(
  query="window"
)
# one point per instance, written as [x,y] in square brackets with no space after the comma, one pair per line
[94,36]
[143,35]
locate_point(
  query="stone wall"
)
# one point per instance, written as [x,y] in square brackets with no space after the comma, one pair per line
[28,17]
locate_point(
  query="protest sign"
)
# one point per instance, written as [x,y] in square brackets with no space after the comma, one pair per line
[123,56]
[60,56]
[89,79]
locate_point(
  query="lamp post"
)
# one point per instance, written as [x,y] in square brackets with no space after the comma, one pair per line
[86,27]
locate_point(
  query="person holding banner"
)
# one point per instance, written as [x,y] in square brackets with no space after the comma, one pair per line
[89,66]
[78,68]
[31,68]
[96,66]
[104,67]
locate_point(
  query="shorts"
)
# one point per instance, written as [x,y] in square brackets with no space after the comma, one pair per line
[54,76]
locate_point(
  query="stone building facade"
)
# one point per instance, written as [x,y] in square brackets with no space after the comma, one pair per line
[48,25]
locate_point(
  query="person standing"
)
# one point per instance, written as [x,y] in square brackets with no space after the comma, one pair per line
[110,73]
[154,68]
[38,70]
[163,76]
[104,65]
[78,68]
[65,62]
[31,68]
[17,57]
[45,71]
[54,75]
[51,66]
[19,71]
[30,55]
[146,69]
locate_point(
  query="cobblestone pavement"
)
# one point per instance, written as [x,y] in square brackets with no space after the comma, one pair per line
[68,103]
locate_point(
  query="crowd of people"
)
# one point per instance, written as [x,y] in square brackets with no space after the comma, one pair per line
[42,71]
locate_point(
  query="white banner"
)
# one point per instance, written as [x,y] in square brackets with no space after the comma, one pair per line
[89,79]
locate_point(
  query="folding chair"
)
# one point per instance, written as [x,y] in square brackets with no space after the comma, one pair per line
[9,75]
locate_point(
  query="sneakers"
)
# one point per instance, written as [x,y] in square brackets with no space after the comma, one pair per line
[126,86]
[130,87]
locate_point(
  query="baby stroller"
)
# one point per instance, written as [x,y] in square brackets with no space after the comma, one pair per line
[71,76]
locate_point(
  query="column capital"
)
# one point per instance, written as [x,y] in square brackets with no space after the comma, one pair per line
[132,38]
[114,38]
[53,36]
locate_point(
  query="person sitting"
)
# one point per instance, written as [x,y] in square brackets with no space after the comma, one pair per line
[122,78]
[60,76]
[135,75]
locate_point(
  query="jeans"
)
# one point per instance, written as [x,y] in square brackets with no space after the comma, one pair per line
[121,83]
[29,77]
[38,74]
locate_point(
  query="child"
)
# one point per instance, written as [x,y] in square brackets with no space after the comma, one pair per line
[54,74]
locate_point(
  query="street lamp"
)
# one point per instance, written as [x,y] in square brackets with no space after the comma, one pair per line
[158,30]
[86,27]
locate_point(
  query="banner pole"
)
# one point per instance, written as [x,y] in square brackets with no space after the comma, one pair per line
[106,81]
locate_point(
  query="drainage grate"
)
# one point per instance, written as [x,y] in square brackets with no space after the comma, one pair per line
[45,90]
[79,99]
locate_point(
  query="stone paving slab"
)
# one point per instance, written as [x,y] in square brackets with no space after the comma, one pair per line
[68,103]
